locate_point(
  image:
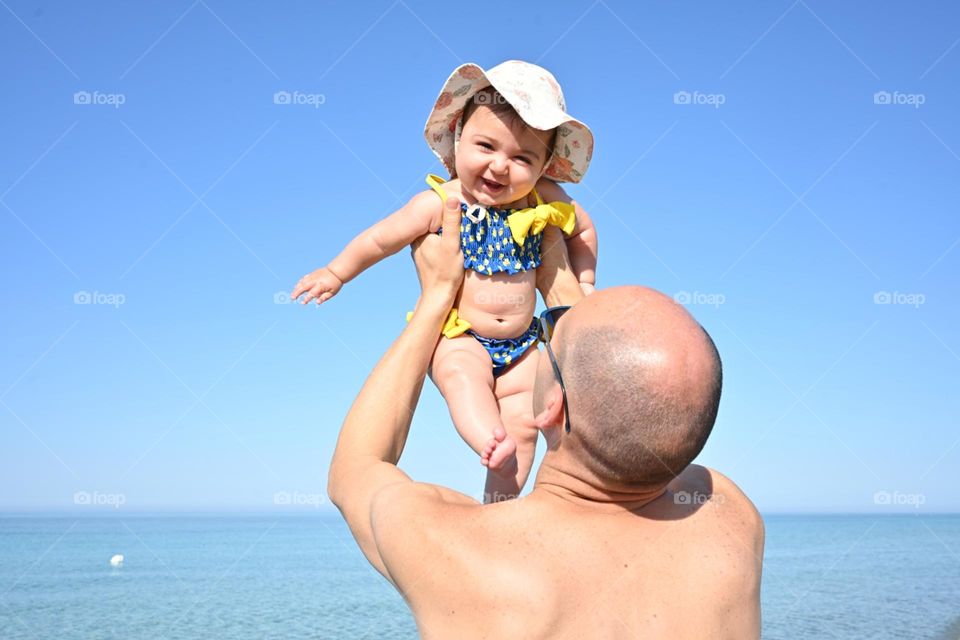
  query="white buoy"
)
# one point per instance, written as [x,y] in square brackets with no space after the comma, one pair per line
[116,560]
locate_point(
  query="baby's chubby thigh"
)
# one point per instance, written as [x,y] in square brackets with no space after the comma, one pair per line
[463,372]
[459,359]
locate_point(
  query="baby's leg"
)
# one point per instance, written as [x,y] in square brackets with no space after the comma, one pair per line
[514,392]
[463,372]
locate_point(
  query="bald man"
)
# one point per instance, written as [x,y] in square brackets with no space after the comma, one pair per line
[621,536]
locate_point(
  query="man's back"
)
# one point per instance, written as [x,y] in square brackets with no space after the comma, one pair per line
[685,565]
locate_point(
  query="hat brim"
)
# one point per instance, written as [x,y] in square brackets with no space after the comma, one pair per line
[572,150]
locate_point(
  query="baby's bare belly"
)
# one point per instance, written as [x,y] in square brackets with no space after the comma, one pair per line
[498,306]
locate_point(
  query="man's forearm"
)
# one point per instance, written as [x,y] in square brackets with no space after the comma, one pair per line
[377,424]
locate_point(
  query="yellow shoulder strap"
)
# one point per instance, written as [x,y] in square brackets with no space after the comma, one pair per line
[537,196]
[435,181]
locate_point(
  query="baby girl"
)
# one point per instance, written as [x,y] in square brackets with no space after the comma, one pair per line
[506,140]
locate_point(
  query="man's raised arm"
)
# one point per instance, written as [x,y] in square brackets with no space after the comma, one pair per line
[375,430]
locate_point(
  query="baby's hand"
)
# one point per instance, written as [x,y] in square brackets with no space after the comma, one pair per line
[322,284]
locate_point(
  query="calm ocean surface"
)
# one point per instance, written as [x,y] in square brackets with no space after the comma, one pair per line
[303,577]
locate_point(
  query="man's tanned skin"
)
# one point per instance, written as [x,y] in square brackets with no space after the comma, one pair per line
[620,537]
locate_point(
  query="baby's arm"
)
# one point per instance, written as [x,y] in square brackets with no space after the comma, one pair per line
[582,246]
[582,243]
[383,239]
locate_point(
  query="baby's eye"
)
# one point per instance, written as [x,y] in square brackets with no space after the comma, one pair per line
[523,159]
[485,145]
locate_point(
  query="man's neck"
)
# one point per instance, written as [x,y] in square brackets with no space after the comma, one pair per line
[554,483]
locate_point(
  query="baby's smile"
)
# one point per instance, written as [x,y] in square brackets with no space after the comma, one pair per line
[492,187]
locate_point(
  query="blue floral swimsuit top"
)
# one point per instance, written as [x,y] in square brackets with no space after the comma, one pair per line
[506,240]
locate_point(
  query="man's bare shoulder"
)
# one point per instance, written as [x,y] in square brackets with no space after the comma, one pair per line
[420,499]
[704,479]
[716,511]
[728,530]
[417,528]
[742,508]
[417,512]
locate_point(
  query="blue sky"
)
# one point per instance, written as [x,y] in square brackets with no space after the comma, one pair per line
[744,163]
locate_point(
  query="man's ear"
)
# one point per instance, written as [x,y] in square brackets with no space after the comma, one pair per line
[552,413]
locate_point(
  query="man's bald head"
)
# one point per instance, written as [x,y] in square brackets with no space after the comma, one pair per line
[643,380]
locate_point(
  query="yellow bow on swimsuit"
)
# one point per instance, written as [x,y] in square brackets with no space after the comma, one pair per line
[453,326]
[534,220]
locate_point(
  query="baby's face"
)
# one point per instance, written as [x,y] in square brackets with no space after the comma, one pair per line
[498,164]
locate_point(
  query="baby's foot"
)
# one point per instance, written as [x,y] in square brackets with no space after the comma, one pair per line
[499,452]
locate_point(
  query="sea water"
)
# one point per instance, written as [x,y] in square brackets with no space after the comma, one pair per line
[862,576]
[236,577]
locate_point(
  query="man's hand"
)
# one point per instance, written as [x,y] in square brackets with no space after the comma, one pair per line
[321,285]
[438,258]
[555,278]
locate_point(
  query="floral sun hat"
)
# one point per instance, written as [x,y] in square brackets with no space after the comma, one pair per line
[535,95]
